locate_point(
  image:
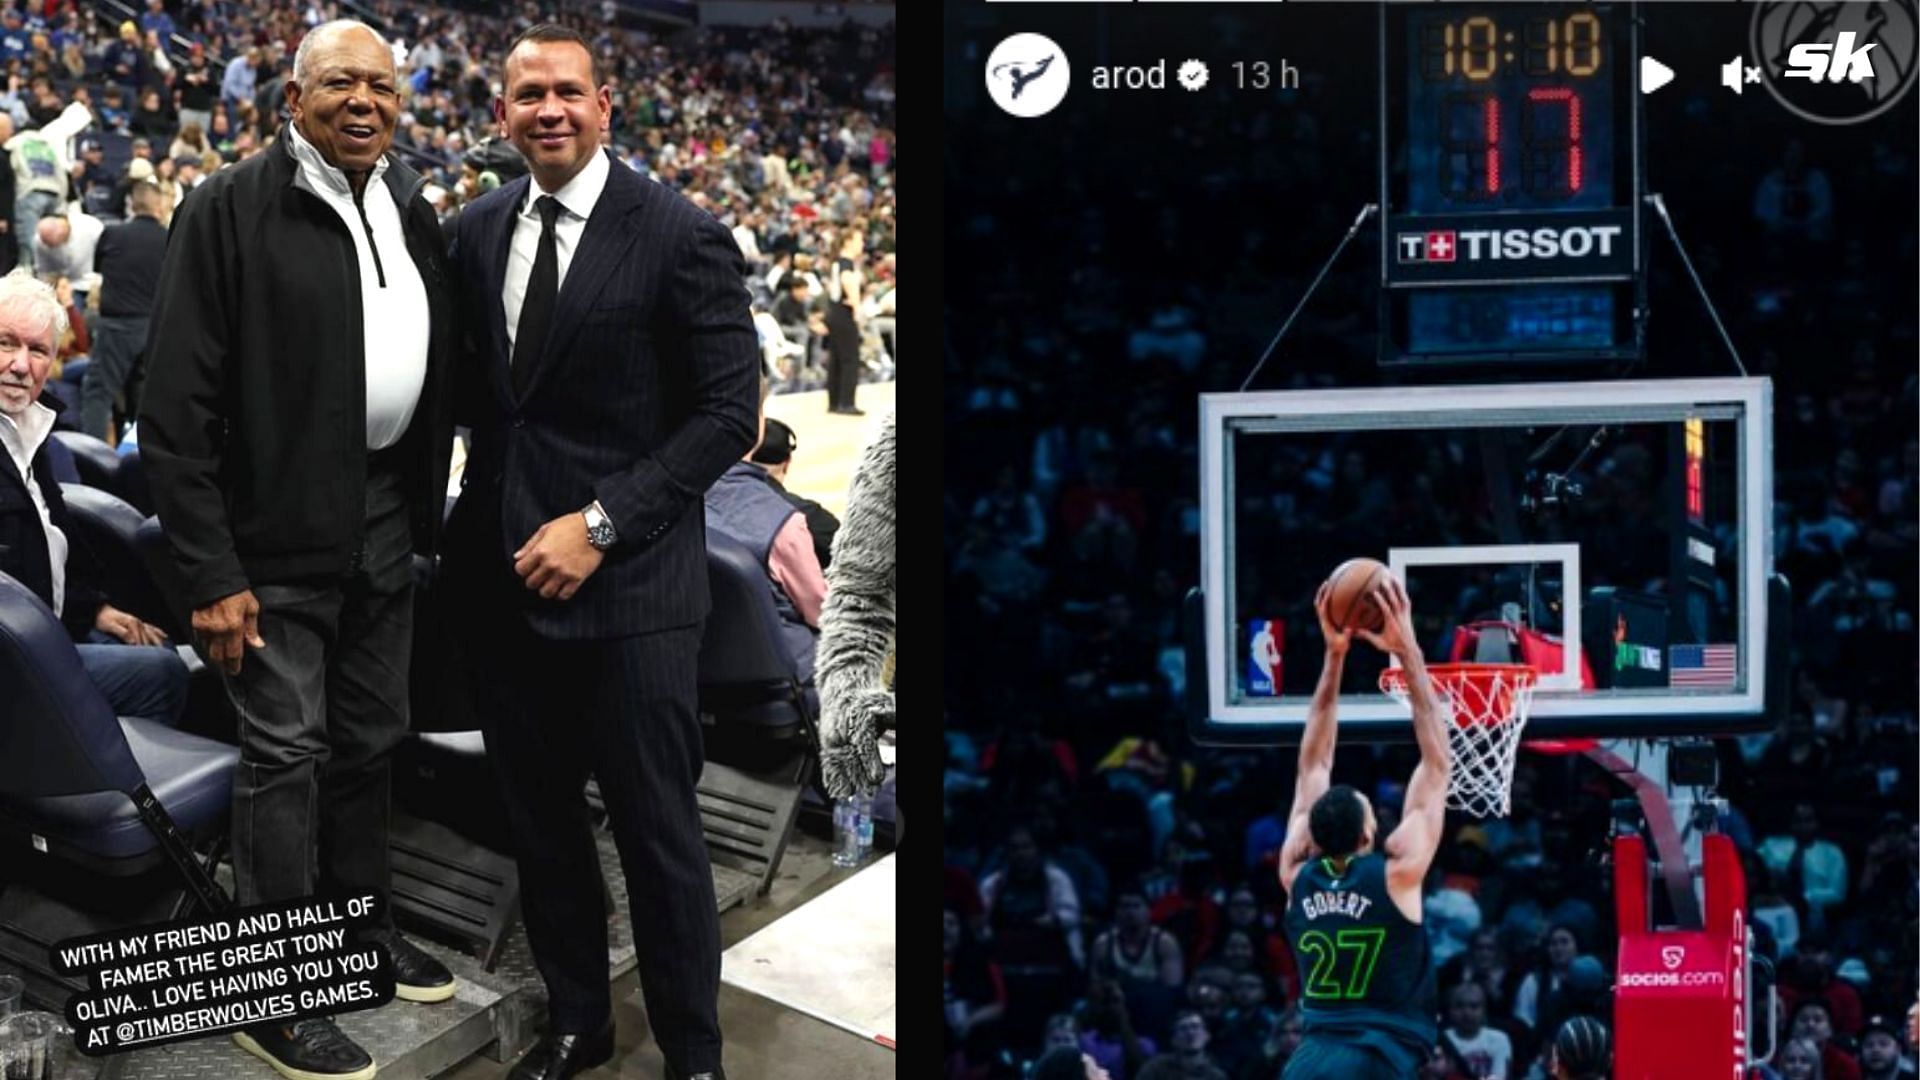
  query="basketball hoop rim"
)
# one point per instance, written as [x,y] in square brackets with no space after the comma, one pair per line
[1393,682]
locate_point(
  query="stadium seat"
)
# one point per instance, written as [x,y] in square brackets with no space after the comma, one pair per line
[109,528]
[150,544]
[99,466]
[85,795]
[757,715]
[133,482]
[747,683]
[61,461]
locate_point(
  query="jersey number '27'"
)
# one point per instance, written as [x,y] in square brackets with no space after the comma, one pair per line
[1342,963]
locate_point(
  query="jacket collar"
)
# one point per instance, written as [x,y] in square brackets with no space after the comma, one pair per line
[401,179]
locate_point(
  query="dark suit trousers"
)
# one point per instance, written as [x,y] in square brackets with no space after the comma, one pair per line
[623,710]
[843,356]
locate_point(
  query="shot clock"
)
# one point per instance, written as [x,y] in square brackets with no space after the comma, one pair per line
[1510,183]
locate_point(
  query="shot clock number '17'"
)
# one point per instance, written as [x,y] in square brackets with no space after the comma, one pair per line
[1511,85]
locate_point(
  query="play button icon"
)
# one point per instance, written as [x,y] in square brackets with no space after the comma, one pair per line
[1653,74]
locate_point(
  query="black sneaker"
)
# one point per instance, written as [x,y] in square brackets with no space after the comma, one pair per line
[417,976]
[313,1049]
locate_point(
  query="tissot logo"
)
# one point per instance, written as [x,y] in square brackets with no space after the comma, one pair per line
[1493,245]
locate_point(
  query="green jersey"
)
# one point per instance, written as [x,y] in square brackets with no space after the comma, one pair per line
[1364,966]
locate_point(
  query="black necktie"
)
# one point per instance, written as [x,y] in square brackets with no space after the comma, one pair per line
[543,286]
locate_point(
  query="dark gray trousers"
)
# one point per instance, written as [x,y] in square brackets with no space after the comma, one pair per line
[321,709]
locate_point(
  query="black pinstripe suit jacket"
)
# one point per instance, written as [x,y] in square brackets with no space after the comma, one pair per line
[646,391]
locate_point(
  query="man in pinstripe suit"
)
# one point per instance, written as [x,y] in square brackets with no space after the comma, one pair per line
[611,378]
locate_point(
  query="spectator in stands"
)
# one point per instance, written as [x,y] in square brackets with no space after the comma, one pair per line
[1880,1051]
[1582,1050]
[746,506]
[1283,1038]
[129,257]
[1062,1032]
[1812,974]
[1474,1050]
[775,454]
[196,92]
[1032,905]
[43,553]
[78,341]
[154,119]
[1107,1031]
[319,568]
[91,181]
[1135,951]
[64,245]
[1067,1064]
[126,61]
[1813,1021]
[1810,868]
[1248,1022]
[801,321]
[1799,1059]
[1187,1059]
[155,20]
[976,997]
[1484,963]
[1561,947]
[237,85]
[40,173]
[113,114]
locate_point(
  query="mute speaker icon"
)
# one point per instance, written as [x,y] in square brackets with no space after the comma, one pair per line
[1730,74]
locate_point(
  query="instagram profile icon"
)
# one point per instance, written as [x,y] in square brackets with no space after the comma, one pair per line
[1027,74]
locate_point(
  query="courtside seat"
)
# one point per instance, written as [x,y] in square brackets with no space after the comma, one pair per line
[132,479]
[191,776]
[747,683]
[115,796]
[99,466]
[110,526]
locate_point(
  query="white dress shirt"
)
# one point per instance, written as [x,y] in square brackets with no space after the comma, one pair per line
[23,440]
[577,199]
[394,317]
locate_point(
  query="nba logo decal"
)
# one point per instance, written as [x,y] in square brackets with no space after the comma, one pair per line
[1263,656]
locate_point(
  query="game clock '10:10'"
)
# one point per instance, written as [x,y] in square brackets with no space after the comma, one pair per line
[1474,48]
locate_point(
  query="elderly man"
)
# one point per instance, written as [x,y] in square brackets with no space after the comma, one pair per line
[145,682]
[297,434]
[63,246]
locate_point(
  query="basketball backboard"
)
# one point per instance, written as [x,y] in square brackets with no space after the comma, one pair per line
[1625,526]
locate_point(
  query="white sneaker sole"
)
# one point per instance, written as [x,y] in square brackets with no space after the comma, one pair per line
[424,993]
[247,1043]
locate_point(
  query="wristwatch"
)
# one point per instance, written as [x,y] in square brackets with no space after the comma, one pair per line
[599,528]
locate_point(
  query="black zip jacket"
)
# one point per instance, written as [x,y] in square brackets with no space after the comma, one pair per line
[253,427]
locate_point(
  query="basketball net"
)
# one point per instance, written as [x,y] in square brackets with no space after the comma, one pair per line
[1489,704]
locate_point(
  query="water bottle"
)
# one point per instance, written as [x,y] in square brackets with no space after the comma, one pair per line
[852,829]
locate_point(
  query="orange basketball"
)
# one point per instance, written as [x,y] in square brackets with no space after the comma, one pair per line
[1350,589]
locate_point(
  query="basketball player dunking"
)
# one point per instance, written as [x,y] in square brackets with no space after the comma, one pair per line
[1353,913]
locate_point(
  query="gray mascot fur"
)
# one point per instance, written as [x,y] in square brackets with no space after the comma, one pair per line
[856,629]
